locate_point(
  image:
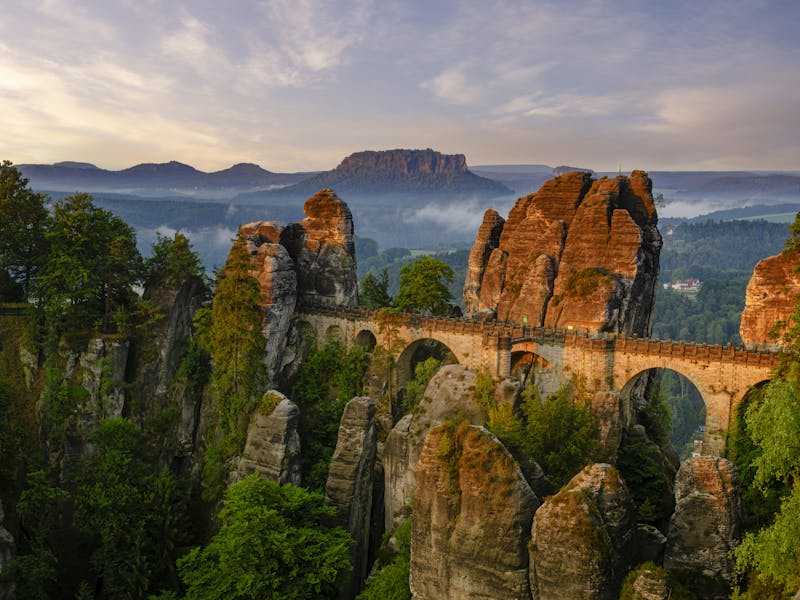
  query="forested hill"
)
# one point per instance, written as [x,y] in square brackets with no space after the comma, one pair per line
[722,255]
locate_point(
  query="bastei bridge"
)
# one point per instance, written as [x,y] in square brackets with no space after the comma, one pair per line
[607,362]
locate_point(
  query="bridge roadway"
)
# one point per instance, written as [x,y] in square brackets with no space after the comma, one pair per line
[606,362]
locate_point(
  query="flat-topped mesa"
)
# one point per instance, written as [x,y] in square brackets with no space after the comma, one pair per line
[771,297]
[403,162]
[579,253]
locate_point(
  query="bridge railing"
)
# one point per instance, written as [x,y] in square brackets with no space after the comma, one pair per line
[519,333]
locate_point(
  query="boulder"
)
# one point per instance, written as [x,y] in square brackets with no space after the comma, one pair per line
[650,584]
[350,484]
[449,393]
[582,538]
[705,527]
[471,518]
[273,444]
[650,544]
[771,297]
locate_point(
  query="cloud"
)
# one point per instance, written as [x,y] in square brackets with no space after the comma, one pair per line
[454,86]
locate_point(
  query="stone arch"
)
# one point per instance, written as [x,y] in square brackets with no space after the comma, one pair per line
[527,365]
[416,352]
[696,408]
[366,340]
[305,332]
[334,333]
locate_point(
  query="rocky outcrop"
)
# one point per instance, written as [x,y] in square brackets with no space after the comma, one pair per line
[449,393]
[273,444]
[582,538]
[274,270]
[705,527]
[178,303]
[323,251]
[488,239]
[471,517]
[578,253]
[350,484]
[8,551]
[771,297]
[650,584]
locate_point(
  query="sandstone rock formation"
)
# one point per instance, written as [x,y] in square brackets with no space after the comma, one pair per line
[581,542]
[450,392]
[153,389]
[471,517]
[771,297]
[706,526]
[311,261]
[277,280]
[650,584]
[322,249]
[350,484]
[578,253]
[273,444]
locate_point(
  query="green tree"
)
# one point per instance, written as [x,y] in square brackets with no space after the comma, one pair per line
[173,260]
[423,286]
[327,380]
[23,216]
[134,514]
[374,291]
[236,343]
[275,542]
[560,433]
[34,568]
[91,266]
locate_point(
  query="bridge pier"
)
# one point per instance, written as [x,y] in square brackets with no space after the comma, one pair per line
[503,357]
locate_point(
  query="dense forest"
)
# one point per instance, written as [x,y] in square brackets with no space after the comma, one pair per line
[130,519]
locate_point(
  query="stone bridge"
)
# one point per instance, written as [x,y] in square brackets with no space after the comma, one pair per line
[606,362]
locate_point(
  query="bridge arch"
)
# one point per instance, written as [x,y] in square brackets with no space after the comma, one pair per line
[366,340]
[418,351]
[687,403]
[334,333]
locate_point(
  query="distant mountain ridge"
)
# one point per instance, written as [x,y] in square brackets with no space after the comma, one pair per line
[154,178]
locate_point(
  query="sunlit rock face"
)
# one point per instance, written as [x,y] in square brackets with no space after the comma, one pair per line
[578,253]
[471,518]
[311,261]
[771,297]
[322,248]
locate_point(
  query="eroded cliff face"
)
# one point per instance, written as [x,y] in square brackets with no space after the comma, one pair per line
[706,526]
[273,444]
[351,483]
[771,297]
[578,253]
[471,517]
[308,262]
[449,393]
[582,538]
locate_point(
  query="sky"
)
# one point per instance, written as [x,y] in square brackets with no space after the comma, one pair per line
[297,85]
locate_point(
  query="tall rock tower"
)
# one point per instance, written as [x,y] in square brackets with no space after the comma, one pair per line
[579,253]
